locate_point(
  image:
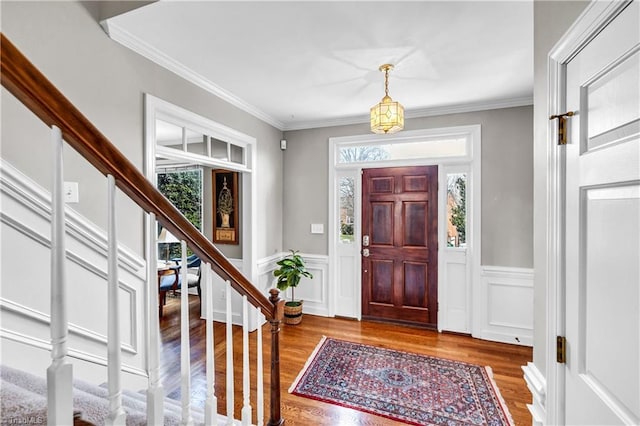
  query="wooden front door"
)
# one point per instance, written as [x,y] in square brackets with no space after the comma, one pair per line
[400,244]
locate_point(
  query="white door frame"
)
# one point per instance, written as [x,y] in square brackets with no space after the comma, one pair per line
[472,160]
[595,17]
[158,108]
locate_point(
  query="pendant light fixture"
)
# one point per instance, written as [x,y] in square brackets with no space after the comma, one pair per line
[387,116]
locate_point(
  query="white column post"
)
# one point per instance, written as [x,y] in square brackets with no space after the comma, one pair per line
[259,372]
[185,344]
[117,416]
[246,385]
[211,406]
[230,390]
[59,373]
[155,391]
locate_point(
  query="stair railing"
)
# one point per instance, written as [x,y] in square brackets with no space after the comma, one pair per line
[39,95]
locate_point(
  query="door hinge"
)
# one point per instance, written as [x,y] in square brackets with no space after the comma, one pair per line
[561,349]
[562,126]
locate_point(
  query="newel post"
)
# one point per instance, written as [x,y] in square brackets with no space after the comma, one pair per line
[275,416]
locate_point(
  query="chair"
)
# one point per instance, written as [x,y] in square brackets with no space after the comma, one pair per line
[170,279]
[193,272]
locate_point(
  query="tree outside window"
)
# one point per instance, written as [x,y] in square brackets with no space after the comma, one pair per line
[457,210]
[184,189]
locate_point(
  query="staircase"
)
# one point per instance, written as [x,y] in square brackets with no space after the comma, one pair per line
[23,399]
[62,399]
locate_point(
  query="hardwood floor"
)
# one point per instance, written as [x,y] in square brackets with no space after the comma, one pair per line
[298,342]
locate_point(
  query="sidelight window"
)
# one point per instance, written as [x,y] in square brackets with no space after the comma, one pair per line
[347,212]
[456,210]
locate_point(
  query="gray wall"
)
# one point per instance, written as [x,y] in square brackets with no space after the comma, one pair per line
[106,82]
[507,182]
[551,21]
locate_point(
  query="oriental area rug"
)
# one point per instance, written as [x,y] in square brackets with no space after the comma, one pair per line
[411,388]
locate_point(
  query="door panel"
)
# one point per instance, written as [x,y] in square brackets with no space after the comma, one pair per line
[415,294]
[382,215]
[415,229]
[382,282]
[399,266]
[602,375]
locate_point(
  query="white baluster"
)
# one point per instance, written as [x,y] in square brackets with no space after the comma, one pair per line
[59,373]
[230,389]
[211,406]
[259,372]
[185,345]
[155,391]
[117,416]
[246,385]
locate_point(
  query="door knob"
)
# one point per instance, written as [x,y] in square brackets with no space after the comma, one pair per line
[365,252]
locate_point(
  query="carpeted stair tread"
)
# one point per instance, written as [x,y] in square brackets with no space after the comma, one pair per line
[171,406]
[23,395]
[19,404]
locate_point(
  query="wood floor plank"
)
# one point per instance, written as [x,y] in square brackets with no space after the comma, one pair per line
[298,342]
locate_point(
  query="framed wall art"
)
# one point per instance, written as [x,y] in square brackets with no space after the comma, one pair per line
[225,207]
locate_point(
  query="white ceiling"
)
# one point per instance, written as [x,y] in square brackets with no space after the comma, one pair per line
[304,64]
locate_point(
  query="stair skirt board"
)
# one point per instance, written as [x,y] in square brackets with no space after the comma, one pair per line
[24,396]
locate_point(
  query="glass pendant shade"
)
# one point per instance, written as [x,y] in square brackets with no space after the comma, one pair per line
[387,116]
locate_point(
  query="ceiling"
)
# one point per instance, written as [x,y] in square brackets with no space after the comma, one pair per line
[305,64]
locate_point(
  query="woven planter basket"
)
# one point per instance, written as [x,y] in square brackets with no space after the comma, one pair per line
[293,314]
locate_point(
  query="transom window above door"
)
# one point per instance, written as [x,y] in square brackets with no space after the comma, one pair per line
[173,140]
[454,146]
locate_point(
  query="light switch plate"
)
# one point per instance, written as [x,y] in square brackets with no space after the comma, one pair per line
[71,194]
[317,228]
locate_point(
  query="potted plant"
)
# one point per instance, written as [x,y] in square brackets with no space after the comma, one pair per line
[291,270]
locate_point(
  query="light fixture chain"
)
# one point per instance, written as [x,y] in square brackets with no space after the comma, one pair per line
[386,81]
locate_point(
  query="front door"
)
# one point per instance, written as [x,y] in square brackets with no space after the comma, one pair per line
[400,244]
[602,231]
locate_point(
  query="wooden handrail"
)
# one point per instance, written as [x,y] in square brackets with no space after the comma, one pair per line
[35,91]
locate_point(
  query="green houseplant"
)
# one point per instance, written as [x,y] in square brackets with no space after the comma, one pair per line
[290,270]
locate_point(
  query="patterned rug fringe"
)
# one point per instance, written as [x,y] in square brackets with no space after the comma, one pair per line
[503,403]
[307,364]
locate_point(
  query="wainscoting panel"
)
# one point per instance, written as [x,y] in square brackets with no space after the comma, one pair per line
[314,291]
[25,228]
[507,300]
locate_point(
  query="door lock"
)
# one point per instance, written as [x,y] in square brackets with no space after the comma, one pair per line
[365,240]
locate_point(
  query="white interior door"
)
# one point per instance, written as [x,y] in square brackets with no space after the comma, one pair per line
[602,376]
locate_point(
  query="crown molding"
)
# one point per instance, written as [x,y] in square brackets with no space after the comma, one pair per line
[417,113]
[139,46]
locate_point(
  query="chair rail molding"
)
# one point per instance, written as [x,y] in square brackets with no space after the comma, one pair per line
[25,220]
[32,196]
